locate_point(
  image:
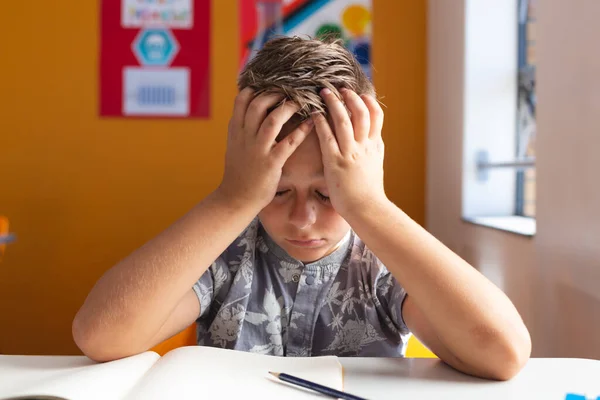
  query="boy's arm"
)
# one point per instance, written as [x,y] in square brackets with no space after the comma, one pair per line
[452,308]
[147,297]
[128,306]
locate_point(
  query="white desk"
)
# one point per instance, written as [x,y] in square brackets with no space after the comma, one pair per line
[424,379]
[373,378]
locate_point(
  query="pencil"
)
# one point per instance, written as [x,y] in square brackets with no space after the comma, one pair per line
[315,386]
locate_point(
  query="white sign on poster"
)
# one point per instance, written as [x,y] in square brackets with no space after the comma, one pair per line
[165,13]
[151,92]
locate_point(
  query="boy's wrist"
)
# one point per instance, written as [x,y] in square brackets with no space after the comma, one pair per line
[369,210]
[233,203]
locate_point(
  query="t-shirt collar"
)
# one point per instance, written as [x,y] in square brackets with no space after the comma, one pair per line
[336,257]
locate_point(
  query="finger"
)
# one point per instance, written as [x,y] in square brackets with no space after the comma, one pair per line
[273,123]
[376,115]
[286,147]
[257,111]
[327,140]
[240,105]
[359,114]
[342,125]
[381,148]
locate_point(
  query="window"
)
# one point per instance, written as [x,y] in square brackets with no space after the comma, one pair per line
[499,115]
[526,127]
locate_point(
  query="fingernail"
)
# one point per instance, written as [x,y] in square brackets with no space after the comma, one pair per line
[310,122]
[325,92]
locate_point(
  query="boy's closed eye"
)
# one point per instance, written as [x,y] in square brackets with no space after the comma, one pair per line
[322,196]
[319,195]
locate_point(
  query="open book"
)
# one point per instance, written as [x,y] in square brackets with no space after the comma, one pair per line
[185,373]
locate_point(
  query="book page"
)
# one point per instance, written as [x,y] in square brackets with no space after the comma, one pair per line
[205,372]
[71,378]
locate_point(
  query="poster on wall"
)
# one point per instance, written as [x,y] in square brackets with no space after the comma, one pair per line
[154,58]
[349,20]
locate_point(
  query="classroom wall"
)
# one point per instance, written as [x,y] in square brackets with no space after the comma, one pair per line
[81,193]
[553,278]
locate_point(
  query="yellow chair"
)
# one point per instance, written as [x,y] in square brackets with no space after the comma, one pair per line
[415,348]
[185,338]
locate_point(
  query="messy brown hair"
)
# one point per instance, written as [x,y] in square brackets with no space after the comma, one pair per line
[299,68]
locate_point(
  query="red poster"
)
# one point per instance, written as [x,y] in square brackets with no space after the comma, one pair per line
[154,58]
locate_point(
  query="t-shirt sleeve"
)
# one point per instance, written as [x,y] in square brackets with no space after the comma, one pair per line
[391,296]
[216,282]
[209,284]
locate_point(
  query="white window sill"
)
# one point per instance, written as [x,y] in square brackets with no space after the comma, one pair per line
[513,223]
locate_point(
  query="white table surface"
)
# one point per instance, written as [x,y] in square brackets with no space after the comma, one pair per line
[424,379]
[404,379]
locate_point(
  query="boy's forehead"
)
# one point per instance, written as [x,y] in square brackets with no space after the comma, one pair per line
[306,161]
[298,171]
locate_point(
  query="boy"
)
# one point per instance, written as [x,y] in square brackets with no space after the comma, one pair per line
[299,252]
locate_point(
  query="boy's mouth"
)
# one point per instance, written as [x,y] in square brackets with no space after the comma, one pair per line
[306,243]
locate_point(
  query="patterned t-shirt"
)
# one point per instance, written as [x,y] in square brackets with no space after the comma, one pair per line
[257,298]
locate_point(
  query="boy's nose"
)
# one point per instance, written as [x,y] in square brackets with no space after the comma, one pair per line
[303,214]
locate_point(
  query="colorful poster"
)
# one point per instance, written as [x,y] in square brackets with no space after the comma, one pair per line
[154,58]
[348,19]
[171,13]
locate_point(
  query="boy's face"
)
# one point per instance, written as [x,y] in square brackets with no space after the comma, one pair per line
[300,219]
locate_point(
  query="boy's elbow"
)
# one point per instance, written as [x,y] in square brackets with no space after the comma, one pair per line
[92,342]
[86,339]
[514,355]
[510,368]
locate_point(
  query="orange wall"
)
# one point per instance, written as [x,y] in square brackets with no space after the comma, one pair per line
[399,58]
[81,192]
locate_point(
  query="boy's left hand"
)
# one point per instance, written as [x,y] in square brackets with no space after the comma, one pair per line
[352,151]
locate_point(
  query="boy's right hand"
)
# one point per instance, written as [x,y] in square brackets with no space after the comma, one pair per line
[254,159]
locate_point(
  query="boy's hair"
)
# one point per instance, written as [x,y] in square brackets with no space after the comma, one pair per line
[299,68]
